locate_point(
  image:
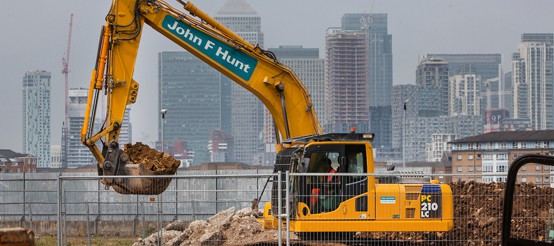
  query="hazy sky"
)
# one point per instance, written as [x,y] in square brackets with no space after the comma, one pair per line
[34,36]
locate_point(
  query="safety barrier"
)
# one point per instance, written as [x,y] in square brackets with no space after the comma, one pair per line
[78,210]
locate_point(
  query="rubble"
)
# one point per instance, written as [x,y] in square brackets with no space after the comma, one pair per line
[228,227]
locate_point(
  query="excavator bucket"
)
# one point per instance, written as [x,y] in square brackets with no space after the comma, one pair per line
[146,166]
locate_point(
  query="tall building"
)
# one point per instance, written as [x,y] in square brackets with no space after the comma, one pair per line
[246,116]
[79,155]
[432,74]
[533,81]
[414,126]
[310,69]
[379,90]
[190,92]
[465,91]
[126,132]
[487,66]
[439,145]
[36,116]
[404,106]
[346,77]
[498,92]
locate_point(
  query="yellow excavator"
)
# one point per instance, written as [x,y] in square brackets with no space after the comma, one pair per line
[350,199]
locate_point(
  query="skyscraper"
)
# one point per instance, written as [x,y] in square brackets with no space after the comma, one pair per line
[126,132]
[36,116]
[246,110]
[346,77]
[465,91]
[190,91]
[77,153]
[533,81]
[432,74]
[310,69]
[487,66]
[379,90]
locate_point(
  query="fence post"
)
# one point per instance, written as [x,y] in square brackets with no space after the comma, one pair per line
[30,216]
[279,209]
[158,222]
[64,200]
[59,218]
[97,217]
[88,226]
[287,205]
[143,220]
[176,199]
[22,220]
[135,220]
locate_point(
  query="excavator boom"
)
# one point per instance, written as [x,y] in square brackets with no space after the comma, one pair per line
[248,65]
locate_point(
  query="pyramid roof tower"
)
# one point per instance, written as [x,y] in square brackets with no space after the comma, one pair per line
[236,7]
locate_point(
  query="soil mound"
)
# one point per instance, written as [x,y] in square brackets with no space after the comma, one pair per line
[151,159]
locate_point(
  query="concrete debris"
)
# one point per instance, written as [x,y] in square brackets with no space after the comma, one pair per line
[228,227]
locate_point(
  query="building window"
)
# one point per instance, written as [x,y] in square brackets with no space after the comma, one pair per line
[478,168]
[538,180]
[524,168]
[538,167]
[500,169]
[503,145]
[459,168]
[470,168]
[459,157]
[470,157]
[523,180]
[478,156]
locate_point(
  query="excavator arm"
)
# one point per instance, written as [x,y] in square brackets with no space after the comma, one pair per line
[248,65]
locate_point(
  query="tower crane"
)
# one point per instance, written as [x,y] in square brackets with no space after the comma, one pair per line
[65,72]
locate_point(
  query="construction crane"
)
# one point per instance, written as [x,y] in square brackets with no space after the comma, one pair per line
[65,72]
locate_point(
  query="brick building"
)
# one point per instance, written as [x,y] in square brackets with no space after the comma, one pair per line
[13,162]
[489,155]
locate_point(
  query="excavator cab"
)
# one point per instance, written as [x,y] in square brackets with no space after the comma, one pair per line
[541,161]
[323,163]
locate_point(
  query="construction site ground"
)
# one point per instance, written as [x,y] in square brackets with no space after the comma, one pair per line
[477,211]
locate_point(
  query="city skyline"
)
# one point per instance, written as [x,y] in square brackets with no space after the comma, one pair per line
[407,47]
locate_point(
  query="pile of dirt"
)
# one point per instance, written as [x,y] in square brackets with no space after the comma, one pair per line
[228,227]
[151,159]
[477,221]
[478,215]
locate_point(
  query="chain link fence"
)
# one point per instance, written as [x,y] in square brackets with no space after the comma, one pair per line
[78,210]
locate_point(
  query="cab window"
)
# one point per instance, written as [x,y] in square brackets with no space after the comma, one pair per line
[319,161]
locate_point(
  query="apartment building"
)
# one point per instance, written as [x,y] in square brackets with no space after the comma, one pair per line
[488,156]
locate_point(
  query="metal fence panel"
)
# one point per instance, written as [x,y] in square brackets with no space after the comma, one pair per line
[90,214]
